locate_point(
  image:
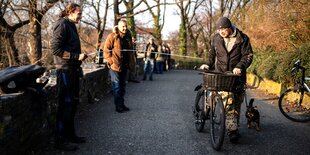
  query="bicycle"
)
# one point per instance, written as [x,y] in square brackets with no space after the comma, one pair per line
[293,104]
[209,104]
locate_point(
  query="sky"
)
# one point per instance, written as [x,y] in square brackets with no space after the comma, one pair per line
[172,20]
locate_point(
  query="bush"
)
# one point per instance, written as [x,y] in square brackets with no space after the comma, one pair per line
[268,65]
[277,65]
[187,63]
[264,63]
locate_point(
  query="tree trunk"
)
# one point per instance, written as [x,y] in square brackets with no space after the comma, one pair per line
[193,42]
[13,50]
[183,37]
[156,17]
[100,28]
[157,30]
[130,18]
[183,30]
[116,12]
[206,46]
[8,50]
[35,41]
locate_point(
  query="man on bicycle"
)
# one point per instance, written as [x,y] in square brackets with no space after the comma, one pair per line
[230,51]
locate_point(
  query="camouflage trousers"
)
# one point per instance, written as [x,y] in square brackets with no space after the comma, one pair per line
[232,102]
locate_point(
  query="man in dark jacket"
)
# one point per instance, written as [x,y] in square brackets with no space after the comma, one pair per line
[66,48]
[230,51]
[149,58]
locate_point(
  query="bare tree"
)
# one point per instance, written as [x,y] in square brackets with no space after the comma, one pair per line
[118,15]
[193,27]
[97,21]
[35,17]
[8,50]
[154,9]
[130,17]
[183,8]
[232,8]
[159,20]
[205,27]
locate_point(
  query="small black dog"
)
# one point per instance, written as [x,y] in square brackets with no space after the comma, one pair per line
[252,115]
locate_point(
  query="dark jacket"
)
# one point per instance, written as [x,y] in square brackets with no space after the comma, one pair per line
[65,38]
[148,48]
[115,55]
[160,57]
[240,56]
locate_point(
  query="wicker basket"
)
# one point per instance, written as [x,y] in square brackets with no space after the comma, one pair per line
[219,81]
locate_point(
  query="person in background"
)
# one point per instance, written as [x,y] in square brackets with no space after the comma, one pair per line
[160,59]
[66,48]
[167,56]
[230,51]
[132,74]
[118,54]
[149,58]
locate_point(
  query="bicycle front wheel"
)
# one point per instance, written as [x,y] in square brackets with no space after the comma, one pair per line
[199,113]
[217,122]
[294,106]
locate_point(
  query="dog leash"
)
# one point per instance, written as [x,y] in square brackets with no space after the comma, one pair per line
[246,99]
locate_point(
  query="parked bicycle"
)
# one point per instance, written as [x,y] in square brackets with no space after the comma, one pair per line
[293,103]
[209,104]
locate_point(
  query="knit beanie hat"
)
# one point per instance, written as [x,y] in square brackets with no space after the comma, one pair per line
[223,22]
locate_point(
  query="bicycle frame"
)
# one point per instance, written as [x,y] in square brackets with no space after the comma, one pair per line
[213,107]
[303,83]
[209,95]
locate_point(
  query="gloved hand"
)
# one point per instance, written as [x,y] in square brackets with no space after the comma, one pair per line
[204,67]
[237,71]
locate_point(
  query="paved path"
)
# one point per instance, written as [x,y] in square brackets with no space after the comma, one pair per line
[161,122]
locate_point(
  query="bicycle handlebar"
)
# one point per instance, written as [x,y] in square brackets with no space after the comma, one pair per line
[297,66]
[205,71]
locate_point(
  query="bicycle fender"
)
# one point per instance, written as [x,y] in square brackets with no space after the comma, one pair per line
[198,87]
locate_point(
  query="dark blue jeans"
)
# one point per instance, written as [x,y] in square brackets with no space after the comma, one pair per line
[118,80]
[148,62]
[68,98]
[160,67]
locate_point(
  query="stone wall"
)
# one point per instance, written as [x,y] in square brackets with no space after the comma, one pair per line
[266,85]
[28,117]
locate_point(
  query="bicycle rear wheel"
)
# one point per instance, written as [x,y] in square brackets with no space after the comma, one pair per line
[217,122]
[198,110]
[293,105]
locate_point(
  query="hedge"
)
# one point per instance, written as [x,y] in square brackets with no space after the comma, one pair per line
[277,65]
